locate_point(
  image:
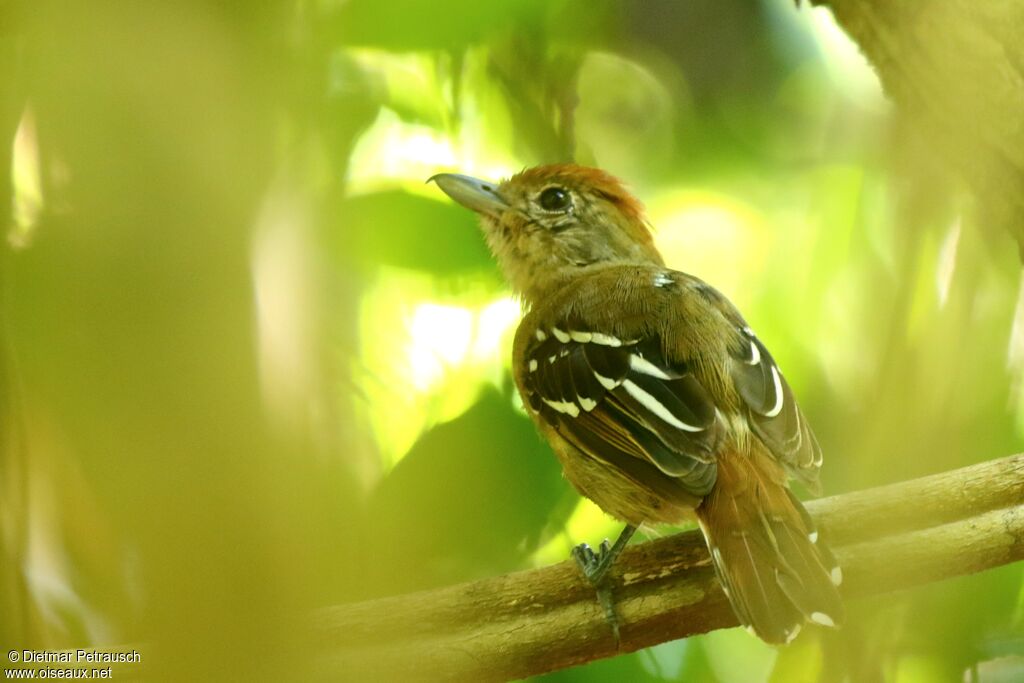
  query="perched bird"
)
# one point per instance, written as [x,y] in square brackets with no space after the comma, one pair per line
[655,394]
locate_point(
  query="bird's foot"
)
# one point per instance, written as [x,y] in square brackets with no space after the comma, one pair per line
[595,566]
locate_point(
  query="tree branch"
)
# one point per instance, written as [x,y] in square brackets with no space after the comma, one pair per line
[531,622]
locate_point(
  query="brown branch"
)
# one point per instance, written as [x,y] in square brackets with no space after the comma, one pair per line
[531,622]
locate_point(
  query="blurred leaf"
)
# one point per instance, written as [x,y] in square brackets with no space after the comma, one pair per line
[736,655]
[416,25]
[470,499]
[12,494]
[633,121]
[918,669]
[667,660]
[412,86]
[12,104]
[999,670]
[629,667]
[983,614]
[348,108]
[799,661]
[401,229]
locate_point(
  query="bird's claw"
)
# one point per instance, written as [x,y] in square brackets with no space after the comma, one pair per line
[586,559]
[594,565]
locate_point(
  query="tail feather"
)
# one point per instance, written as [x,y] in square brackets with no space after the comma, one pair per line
[773,566]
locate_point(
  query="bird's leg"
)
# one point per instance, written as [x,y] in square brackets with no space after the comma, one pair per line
[595,568]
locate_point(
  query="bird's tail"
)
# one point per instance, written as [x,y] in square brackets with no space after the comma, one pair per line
[775,570]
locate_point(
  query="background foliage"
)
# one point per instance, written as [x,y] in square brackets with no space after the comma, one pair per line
[251,365]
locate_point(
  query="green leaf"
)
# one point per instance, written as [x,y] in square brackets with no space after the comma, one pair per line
[470,499]
[401,229]
[416,25]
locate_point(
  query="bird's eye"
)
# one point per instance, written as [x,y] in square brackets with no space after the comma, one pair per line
[554,199]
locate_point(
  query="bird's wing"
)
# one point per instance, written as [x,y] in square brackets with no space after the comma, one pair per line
[619,399]
[648,395]
[771,409]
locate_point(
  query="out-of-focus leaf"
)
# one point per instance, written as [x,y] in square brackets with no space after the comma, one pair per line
[999,670]
[917,669]
[416,25]
[12,103]
[628,667]
[730,56]
[633,121]
[402,229]
[736,655]
[12,500]
[351,103]
[470,499]
[982,610]
[667,660]
[409,83]
[799,661]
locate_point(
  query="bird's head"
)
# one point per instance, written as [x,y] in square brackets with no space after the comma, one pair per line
[548,222]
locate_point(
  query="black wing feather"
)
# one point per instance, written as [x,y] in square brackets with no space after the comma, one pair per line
[586,388]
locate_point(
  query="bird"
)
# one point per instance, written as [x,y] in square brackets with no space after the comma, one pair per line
[657,397]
